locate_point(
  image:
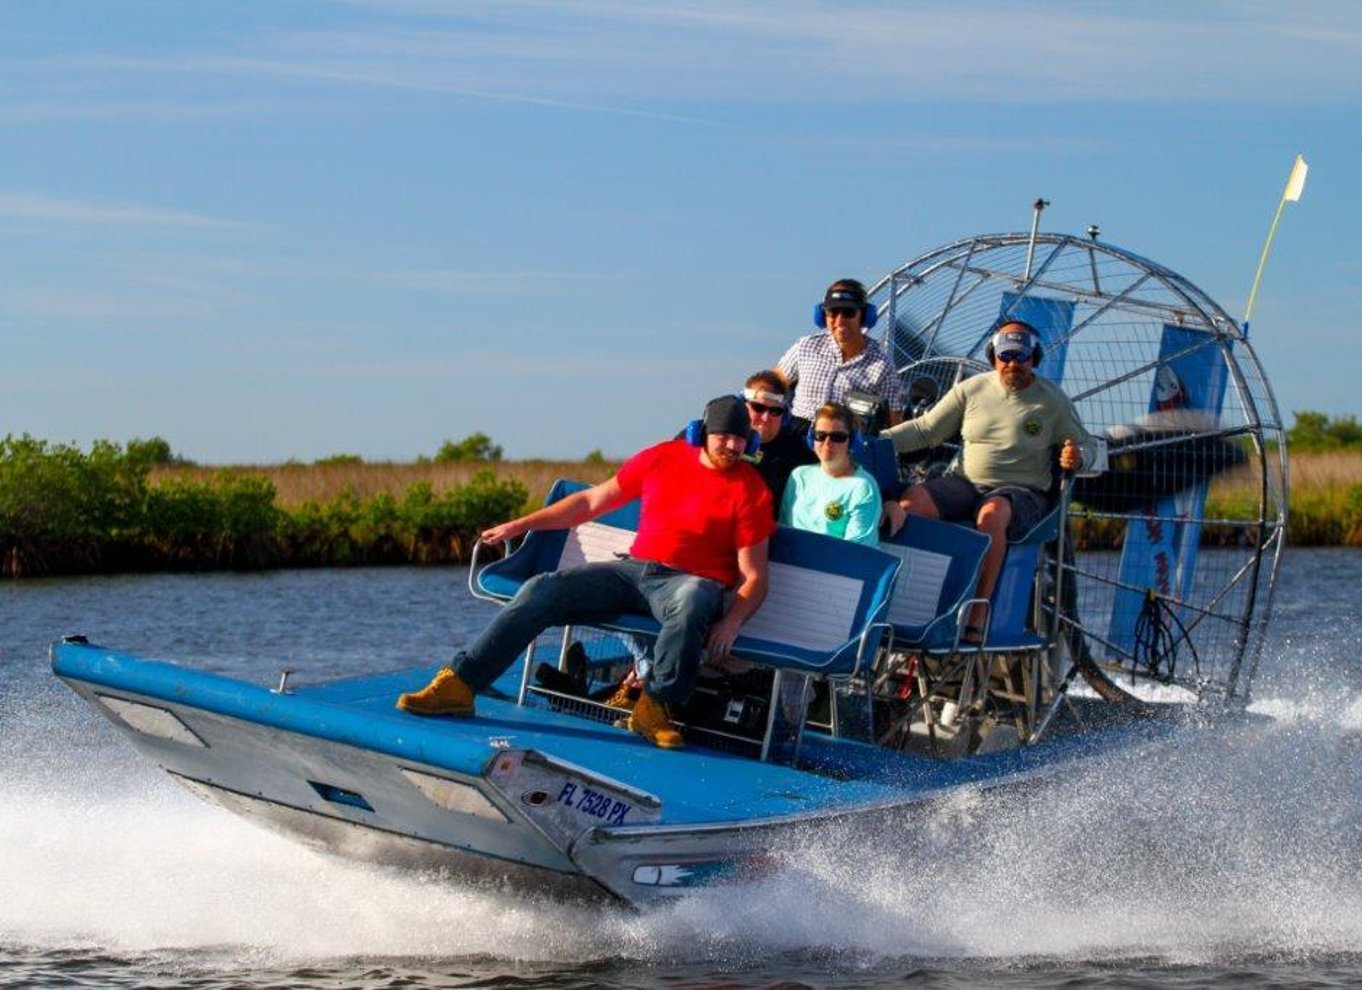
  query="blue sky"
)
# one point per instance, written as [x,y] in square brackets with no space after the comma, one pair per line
[290,229]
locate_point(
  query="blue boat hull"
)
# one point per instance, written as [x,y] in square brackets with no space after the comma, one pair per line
[537,798]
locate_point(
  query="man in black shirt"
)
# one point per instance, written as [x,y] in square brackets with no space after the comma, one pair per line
[783,447]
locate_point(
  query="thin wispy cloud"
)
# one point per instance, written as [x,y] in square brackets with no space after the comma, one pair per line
[397,63]
[136,312]
[641,60]
[404,77]
[496,283]
[107,107]
[611,369]
[30,206]
[748,50]
[959,145]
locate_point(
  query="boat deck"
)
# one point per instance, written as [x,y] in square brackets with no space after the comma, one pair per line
[695,784]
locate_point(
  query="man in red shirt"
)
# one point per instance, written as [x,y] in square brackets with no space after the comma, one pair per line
[704,524]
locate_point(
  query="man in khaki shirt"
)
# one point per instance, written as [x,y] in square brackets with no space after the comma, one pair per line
[1010,421]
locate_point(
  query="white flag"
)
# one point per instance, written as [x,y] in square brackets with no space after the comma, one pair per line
[1295,185]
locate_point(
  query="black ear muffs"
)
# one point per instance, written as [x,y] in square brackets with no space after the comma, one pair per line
[869,317]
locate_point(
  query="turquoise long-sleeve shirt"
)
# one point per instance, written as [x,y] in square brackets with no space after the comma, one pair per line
[846,507]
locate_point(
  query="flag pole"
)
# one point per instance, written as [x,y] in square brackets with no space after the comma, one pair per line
[1295,185]
[1036,209]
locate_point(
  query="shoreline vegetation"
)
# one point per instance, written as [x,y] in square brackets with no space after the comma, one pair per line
[138,508]
[113,509]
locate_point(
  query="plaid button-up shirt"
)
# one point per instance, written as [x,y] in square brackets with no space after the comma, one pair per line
[815,364]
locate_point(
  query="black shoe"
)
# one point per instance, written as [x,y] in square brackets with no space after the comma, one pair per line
[576,662]
[550,677]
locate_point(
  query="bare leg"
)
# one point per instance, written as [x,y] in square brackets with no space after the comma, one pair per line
[920,503]
[992,520]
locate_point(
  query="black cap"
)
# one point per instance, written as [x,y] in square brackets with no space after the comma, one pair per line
[727,414]
[845,293]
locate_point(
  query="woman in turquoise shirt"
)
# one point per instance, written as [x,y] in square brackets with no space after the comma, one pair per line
[833,496]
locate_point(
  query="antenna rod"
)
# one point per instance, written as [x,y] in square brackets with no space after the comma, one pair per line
[1038,206]
[1295,185]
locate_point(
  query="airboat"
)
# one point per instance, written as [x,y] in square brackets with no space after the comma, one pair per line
[1134,615]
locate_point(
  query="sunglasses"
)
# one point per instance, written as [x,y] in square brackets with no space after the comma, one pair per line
[846,311]
[758,408]
[831,436]
[1008,357]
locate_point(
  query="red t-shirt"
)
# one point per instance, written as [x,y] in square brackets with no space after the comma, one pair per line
[695,518]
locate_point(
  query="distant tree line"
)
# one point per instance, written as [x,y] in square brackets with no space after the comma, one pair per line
[472,448]
[1316,431]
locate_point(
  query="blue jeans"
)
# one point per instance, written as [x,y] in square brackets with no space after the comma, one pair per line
[686,606]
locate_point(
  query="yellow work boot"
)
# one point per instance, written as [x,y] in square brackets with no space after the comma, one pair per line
[622,698]
[651,720]
[447,694]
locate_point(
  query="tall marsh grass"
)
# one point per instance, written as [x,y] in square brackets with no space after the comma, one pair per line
[297,484]
[1326,499]
[1325,505]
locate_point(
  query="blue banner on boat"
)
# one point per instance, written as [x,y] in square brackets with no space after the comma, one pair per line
[1160,547]
[1052,318]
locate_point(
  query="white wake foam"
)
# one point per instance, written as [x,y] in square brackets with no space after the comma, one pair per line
[1227,843]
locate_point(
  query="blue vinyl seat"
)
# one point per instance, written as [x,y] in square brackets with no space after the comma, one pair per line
[1011,623]
[941,564]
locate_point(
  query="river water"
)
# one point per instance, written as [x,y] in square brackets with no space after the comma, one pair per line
[1235,860]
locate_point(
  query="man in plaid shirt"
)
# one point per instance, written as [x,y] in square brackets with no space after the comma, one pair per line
[823,367]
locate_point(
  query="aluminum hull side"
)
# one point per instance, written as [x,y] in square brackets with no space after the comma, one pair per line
[289,777]
[369,844]
[354,777]
[319,771]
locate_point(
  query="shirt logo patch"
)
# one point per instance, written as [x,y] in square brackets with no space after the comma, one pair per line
[833,510]
[1031,427]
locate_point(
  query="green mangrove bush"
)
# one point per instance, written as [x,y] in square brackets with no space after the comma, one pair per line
[64,510]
